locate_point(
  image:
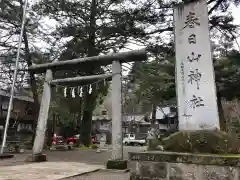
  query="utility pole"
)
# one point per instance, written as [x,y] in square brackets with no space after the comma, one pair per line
[117,148]
[14,77]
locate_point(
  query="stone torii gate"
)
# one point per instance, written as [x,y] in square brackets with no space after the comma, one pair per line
[115,59]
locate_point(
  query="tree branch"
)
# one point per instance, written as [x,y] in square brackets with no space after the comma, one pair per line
[160,31]
[215,7]
[209,2]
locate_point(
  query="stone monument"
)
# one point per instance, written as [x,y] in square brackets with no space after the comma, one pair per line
[199,151]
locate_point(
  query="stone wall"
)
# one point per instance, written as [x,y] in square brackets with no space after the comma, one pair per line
[231,112]
[183,166]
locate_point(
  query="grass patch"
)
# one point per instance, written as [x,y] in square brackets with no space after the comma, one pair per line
[91,146]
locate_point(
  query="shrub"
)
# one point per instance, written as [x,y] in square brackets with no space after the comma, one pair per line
[203,141]
[154,143]
[91,146]
[94,146]
[117,164]
[83,147]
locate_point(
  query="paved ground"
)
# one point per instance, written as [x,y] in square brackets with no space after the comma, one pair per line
[89,157]
[101,175]
[83,156]
[46,170]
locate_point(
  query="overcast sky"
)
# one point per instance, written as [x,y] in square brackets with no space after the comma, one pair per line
[236,15]
[235,11]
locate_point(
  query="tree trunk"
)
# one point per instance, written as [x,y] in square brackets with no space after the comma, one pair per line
[154,112]
[86,130]
[79,117]
[51,130]
[89,101]
[33,84]
[222,120]
[86,123]
[92,30]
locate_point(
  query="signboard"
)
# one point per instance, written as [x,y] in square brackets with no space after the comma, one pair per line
[197,103]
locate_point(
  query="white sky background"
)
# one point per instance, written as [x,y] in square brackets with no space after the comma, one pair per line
[236,15]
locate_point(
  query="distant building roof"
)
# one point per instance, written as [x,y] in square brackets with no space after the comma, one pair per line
[18,96]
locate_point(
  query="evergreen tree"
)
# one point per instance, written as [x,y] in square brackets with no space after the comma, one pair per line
[11,13]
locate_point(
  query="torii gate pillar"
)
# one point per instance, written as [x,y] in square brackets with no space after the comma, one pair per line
[37,155]
[117,148]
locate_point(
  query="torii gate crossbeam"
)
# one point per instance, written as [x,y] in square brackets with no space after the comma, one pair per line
[130,56]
